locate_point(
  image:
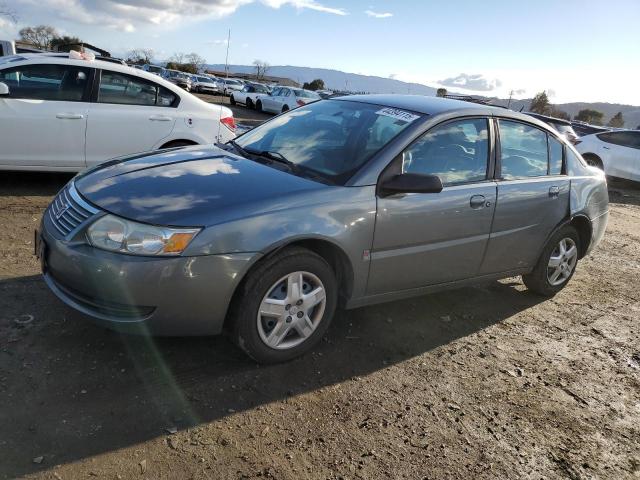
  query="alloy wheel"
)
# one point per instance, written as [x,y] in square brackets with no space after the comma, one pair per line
[562,262]
[291,310]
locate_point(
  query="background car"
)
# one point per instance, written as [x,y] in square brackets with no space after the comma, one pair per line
[230,85]
[204,84]
[616,152]
[181,79]
[155,69]
[282,99]
[563,127]
[582,128]
[249,94]
[63,114]
[266,235]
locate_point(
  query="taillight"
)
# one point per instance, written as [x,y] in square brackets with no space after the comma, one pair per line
[229,122]
[300,103]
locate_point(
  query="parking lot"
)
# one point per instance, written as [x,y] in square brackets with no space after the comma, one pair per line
[486,382]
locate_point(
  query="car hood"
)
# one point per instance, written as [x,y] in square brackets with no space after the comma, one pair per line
[193,186]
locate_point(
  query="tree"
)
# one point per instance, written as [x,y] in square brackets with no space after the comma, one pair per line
[317,84]
[540,104]
[556,112]
[617,121]
[196,61]
[140,56]
[64,43]
[590,116]
[441,92]
[40,36]
[177,57]
[261,68]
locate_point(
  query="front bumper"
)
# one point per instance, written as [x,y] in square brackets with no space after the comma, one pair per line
[147,295]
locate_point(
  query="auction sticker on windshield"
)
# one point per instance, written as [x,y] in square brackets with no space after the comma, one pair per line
[398,114]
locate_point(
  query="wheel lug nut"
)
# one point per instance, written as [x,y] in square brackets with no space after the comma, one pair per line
[300,314]
[289,319]
[299,302]
[287,307]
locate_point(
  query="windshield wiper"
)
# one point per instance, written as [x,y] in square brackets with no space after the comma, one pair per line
[239,149]
[276,157]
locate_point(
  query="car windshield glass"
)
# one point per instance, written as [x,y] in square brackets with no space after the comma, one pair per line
[330,138]
[306,94]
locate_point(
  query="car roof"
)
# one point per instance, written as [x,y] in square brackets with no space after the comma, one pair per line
[547,118]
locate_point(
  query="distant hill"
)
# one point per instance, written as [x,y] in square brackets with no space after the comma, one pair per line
[338,80]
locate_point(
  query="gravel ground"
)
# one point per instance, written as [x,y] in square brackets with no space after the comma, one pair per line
[479,383]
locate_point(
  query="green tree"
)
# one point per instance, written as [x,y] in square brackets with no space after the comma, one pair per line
[556,112]
[441,92]
[590,116]
[540,104]
[40,36]
[617,121]
[317,84]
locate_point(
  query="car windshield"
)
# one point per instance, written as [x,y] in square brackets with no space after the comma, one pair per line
[331,138]
[205,80]
[306,94]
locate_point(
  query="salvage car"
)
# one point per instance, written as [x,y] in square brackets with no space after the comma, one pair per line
[343,202]
[249,94]
[282,99]
[62,114]
[616,152]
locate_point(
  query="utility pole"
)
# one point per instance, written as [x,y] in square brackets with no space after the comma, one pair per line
[510,95]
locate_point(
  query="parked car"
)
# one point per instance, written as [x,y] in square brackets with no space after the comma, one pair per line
[181,79]
[155,69]
[583,129]
[282,99]
[249,94]
[230,85]
[63,114]
[348,201]
[616,152]
[562,126]
[204,84]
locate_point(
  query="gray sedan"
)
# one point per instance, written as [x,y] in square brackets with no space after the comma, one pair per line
[344,202]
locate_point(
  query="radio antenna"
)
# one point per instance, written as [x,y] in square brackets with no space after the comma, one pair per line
[226,69]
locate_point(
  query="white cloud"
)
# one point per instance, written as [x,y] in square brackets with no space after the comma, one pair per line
[474,82]
[128,15]
[373,14]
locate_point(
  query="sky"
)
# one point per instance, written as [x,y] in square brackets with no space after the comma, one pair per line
[575,50]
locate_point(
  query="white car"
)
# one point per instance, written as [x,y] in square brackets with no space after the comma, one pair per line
[282,99]
[62,114]
[249,94]
[204,84]
[230,85]
[616,152]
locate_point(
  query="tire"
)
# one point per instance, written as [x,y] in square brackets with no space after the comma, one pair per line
[293,326]
[593,160]
[259,106]
[541,279]
[249,103]
[285,108]
[232,100]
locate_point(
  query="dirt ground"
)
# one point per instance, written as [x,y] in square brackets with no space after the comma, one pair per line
[479,383]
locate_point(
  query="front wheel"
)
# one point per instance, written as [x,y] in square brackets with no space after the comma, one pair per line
[259,106]
[232,100]
[249,103]
[557,263]
[285,306]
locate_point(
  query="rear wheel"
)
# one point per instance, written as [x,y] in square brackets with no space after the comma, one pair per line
[232,100]
[249,103]
[259,106]
[593,160]
[285,108]
[557,263]
[285,306]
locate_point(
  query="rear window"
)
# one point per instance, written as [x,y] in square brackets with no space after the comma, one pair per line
[125,89]
[306,94]
[523,150]
[624,139]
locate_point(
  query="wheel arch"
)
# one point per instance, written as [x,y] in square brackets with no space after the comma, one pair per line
[585,231]
[332,253]
[177,142]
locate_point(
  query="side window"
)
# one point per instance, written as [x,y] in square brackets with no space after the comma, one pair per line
[47,82]
[285,92]
[624,139]
[167,98]
[555,156]
[523,150]
[127,90]
[276,92]
[457,152]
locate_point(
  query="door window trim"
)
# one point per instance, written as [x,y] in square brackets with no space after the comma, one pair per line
[395,165]
[498,147]
[86,94]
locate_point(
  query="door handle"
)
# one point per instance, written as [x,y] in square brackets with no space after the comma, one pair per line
[606,148]
[554,192]
[70,116]
[477,201]
[160,118]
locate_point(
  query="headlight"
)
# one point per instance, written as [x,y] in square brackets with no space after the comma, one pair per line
[120,235]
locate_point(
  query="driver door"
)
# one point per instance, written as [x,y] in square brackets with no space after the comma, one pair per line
[425,239]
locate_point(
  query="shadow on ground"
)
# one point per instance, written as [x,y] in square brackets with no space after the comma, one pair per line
[71,390]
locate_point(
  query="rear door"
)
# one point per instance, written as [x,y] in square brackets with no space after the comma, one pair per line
[44,118]
[430,238]
[533,196]
[620,152]
[130,115]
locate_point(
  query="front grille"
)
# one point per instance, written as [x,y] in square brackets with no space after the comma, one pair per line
[68,210]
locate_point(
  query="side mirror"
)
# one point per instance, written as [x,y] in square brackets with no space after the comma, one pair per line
[411,183]
[4,89]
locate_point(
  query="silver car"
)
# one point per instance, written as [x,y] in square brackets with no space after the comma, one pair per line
[344,202]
